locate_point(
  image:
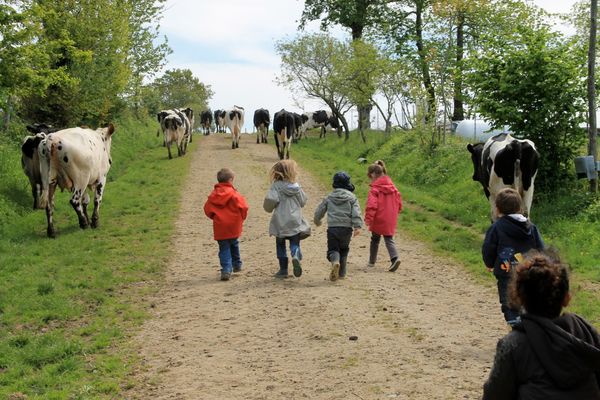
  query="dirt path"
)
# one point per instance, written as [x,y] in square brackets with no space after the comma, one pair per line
[424,332]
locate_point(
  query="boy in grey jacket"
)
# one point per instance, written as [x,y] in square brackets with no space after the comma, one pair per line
[343,219]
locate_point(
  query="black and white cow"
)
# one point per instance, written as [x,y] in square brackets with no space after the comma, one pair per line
[505,162]
[220,120]
[189,113]
[298,124]
[284,127]
[174,130]
[262,119]
[206,121]
[234,119]
[30,162]
[320,118]
[75,159]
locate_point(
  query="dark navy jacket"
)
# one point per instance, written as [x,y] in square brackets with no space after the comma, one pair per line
[505,238]
[546,359]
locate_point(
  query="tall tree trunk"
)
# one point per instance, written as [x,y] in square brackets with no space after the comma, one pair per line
[459,113]
[592,148]
[423,62]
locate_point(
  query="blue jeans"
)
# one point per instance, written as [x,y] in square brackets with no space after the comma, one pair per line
[229,254]
[511,315]
[282,251]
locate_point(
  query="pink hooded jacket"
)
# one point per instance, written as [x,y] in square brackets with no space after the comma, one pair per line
[384,203]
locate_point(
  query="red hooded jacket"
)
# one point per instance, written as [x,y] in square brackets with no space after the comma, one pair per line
[228,210]
[384,203]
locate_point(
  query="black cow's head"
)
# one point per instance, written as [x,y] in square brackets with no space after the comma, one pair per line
[480,173]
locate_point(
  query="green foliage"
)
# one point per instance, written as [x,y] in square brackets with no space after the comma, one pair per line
[179,88]
[355,15]
[69,62]
[310,65]
[533,83]
[445,207]
[67,305]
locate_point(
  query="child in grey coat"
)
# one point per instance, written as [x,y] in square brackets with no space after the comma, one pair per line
[344,220]
[285,200]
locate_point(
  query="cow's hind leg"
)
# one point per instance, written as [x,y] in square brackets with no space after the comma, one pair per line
[51,231]
[76,200]
[99,192]
[84,203]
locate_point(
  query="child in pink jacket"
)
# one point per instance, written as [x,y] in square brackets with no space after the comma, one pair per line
[384,203]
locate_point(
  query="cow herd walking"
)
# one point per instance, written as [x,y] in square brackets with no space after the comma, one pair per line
[79,158]
[288,126]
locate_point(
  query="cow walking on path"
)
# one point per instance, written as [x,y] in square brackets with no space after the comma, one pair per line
[206,122]
[75,159]
[234,119]
[505,162]
[284,127]
[262,119]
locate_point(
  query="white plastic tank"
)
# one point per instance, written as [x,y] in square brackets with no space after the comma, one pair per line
[476,130]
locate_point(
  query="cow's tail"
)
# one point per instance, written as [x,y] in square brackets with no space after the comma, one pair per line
[44,151]
[518,177]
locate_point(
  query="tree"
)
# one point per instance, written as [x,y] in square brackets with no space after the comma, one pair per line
[147,55]
[591,86]
[531,81]
[308,66]
[179,88]
[355,15]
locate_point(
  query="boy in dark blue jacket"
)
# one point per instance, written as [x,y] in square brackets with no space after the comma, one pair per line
[505,242]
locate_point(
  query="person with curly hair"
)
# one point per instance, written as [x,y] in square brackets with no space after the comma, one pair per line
[547,355]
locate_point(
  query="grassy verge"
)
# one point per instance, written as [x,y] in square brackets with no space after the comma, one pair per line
[67,305]
[447,209]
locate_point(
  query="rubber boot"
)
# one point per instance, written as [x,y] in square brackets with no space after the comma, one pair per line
[283,268]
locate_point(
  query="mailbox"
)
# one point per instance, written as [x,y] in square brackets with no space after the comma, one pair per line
[586,168]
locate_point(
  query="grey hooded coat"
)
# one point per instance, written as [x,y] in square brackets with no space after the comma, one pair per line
[285,200]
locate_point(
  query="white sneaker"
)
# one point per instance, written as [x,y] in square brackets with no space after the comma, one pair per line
[370,265]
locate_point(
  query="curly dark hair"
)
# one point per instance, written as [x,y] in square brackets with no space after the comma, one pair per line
[540,284]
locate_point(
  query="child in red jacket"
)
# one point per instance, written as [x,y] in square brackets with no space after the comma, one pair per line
[384,203]
[228,210]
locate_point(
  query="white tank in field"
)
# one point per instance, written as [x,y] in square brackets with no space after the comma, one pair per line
[476,130]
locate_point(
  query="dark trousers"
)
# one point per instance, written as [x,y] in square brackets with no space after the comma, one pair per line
[338,246]
[390,245]
[511,315]
[229,254]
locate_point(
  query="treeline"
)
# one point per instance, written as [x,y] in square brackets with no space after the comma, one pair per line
[425,63]
[70,62]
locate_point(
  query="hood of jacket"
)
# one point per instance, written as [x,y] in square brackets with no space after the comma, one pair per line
[222,194]
[287,188]
[384,184]
[567,347]
[516,229]
[340,196]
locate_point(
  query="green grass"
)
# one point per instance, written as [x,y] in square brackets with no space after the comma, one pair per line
[447,209]
[68,305]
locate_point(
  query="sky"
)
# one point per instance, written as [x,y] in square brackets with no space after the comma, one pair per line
[230,45]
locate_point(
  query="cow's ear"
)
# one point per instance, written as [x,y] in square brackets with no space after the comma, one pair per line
[110,130]
[470,147]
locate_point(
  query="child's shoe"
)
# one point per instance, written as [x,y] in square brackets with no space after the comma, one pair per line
[237,269]
[335,271]
[395,265]
[342,273]
[297,267]
[370,265]
[282,274]
[225,276]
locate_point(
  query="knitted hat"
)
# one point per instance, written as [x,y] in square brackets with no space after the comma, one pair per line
[341,180]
